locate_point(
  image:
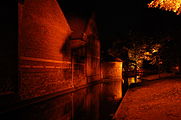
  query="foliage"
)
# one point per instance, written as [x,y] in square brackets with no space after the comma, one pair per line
[137,48]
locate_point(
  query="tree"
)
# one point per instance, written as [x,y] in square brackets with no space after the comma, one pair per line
[140,51]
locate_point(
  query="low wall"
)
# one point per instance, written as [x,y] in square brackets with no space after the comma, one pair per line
[111,70]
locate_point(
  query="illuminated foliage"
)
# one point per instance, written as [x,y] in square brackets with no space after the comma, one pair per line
[168,5]
[143,52]
[139,50]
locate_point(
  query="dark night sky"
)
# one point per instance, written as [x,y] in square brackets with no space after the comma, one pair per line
[117,18]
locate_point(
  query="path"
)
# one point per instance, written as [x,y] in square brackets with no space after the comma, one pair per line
[153,100]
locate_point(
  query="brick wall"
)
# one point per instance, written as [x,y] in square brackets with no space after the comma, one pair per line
[47,63]
[79,68]
[111,73]
[93,52]
[86,58]
[43,39]
[111,70]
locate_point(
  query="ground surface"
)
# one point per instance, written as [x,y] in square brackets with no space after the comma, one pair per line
[153,100]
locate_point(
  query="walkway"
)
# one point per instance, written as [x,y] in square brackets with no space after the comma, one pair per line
[153,100]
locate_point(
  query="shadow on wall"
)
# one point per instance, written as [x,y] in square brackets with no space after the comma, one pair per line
[65,50]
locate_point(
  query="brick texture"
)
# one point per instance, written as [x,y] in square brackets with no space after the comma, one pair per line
[47,62]
[43,35]
[111,70]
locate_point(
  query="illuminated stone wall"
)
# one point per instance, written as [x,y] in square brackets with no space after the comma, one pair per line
[111,70]
[47,63]
[79,66]
[44,66]
[93,52]
[86,58]
[111,73]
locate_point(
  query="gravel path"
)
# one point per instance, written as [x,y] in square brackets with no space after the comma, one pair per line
[153,100]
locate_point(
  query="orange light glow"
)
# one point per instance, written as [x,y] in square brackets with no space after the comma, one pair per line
[147,53]
[154,50]
[168,5]
[131,80]
[177,67]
